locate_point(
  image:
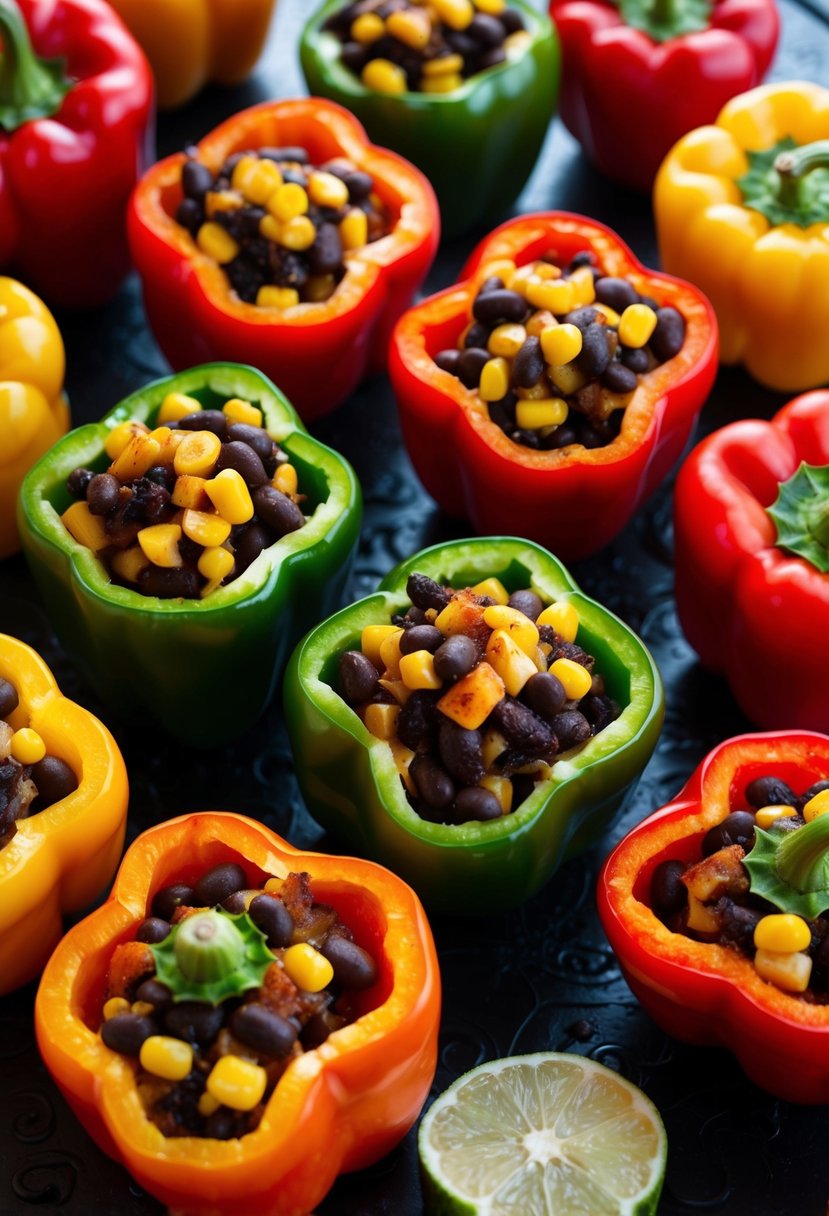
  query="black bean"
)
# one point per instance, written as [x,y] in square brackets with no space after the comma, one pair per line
[169,584]
[820,962]
[326,254]
[358,677]
[619,379]
[562,436]
[354,968]
[255,437]
[241,457]
[160,476]
[635,358]
[359,184]
[277,511]
[502,412]
[154,993]
[477,335]
[219,882]
[205,420]
[166,900]
[77,483]
[497,307]
[471,364]
[127,1032]
[545,695]
[461,43]
[668,337]
[511,20]
[595,352]
[526,601]
[455,657]
[435,786]
[265,1031]
[418,720]
[668,893]
[271,916]
[461,751]
[190,215]
[528,365]
[425,593]
[290,152]
[599,711]
[770,791]
[486,30]
[571,728]
[54,780]
[221,1125]
[615,293]
[354,55]
[155,928]
[238,901]
[737,924]
[194,1021]
[102,493]
[476,803]
[421,637]
[447,360]
[491,58]
[523,730]
[585,257]
[736,828]
[196,179]
[582,318]
[249,543]
[9,700]
[817,788]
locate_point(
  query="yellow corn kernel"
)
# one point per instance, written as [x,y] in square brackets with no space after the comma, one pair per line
[517,624]
[166,1057]
[546,270]
[114,1006]
[396,688]
[216,563]
[189,492]
[473,698]
[494,588]
[257,179]
[207,1104]
[221,200]
[142,1008]
[140,454]
[507,340]
[197,454]
[417,670]
[230,496]
[539,321]
[584,288]
[169,442]
[493,7]
[27,746]
[120,435]
[390,653]
[791,972]
[532,415]
[287,202]
[159,544]
[509,661]
[520,276]
[412,27]
[538,392]
[327,190]
[237,1083]
[128,563]
[285,479]
[783,932]
[767,815]
[494,380]
[274,886]
[372,639]
[384,76]
[561,343]
[270,228]
[563,616]
[457,14]
[367,28]
[298,234]
[84,527]
[819,805]
[277,297]
[403,757]
[446,65]
[175,406]
[319,287]
[217,243]
[576,680]
[447,83]
[501,787]
[381,720]
[567,378]
[205,528]
[518,42]
[354,229]
[237,410]
[555,294]
[610,315]
[636,325]
[493,746]
[310,970]
[700,917]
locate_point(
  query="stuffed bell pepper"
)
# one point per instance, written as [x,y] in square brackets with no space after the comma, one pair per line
[63,809]
[191,536]
[716,907]
[742,208]
[658,68]
[465,89]
[285,241]
[472,723]
[76,98]
[241,1022]
[752,561]
[553,388]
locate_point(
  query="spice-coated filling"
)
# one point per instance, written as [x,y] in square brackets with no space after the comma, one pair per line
[31,779]
[427,46]
[555,353]
[186,507]
[279,226]
[224,984]
[476,691]
[718,899]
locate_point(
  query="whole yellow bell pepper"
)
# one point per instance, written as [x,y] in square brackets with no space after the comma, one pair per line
[742,211]
[33,410]
[191,43]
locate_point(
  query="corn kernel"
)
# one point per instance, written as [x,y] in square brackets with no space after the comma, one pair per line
[556,295]
[493,746]
[354,229]
[446,83]
[539,321]
[610,315]
[473,698]
[217,243]
[215,563]
[277,297]
[159,544]
[270,228]
[205,528]
[175,406]
[143,1009]
[412,27]
[84,527]
[257,181]
[114,1006]
[367,28]
[390,653]
[27,746]
[396,688]
[767,815]
[445,65]
[208,1105]
[381,720]
[372,639]
[517,624]
[509,661]
[230,496]
[576,680]
[274,886]
[310,970]
[563,616]
[457,14]
[561,343]
[120,435]
[189,492]
[216,201]
[507,340]
[494,588]
[819,805]
[636,325]
[791,972]
[237,410]
[298,234]
[546,270]
[384,76]
[327,190]
[417,670]
[501,787]
[237,1083]
[531,415]
[784,933]
[584,288]
[285,479]
[127,564]
[243,167]
[494,380]
[166,1057]
[493,7]
[197,454]
[700,917]
[287,202]
[140,454]
[319,287]
[567,378]
[403,757]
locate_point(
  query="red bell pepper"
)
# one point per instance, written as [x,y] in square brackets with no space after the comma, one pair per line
[702,992]
[640,74]
[316,353]
[573,500]
[754,602]
[76,99]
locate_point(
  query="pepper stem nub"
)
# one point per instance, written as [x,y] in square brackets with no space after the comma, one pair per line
[803,856]
[792,166]
[663,20]
[30,87]
[208,946]
[801,515]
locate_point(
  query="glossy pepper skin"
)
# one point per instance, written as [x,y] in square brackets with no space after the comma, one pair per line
[225,652]
[733,252]
[751,609]
[699,991]
[337,1108]
[477,145]
[618,78]
[351,784]
[190,44]
[316,353]
[34,413]
[60,858]
[574,500]
[68,168]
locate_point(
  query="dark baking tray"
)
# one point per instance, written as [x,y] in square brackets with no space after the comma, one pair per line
[542,977]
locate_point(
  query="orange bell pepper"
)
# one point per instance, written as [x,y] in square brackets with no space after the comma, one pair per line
[61,858]
[339,1107]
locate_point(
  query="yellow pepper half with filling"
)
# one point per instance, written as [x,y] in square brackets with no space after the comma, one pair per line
[191,43]
[742,211]
[33,410]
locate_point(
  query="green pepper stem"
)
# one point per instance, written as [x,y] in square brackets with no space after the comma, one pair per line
[30,87]
[803,856]
[819,523]
[208,946]
[664,12]
[793,165]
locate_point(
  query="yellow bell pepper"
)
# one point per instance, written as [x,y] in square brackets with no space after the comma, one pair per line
[191,43]
[742,210]
[33,410]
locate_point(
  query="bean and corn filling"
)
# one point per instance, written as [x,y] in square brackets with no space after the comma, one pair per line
[30,778]
[426,46]
[555,353]
[224,984]
[476,691]
[279,226]
[712,900]
[186,507]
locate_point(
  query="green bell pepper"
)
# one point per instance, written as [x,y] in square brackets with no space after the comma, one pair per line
[478,144]
[351,784]
[205,669]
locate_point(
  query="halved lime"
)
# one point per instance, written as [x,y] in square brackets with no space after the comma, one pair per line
[550,1134]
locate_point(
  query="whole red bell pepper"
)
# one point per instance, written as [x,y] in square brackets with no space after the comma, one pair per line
[572,500]
[703,992]
[754,600]
[316,353]
[76,98]
[640,74]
